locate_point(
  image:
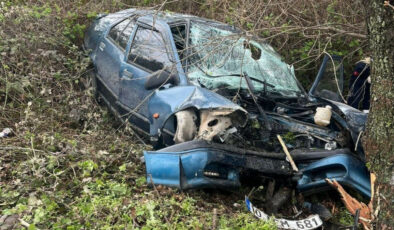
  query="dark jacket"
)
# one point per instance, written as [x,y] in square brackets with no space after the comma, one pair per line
[359,88]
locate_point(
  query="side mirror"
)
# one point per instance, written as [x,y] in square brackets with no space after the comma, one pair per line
[168,75]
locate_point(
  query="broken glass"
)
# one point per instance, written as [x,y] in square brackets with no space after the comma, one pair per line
[219,57]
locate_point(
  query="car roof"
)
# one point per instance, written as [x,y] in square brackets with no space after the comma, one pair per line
[167,16]
[173,18]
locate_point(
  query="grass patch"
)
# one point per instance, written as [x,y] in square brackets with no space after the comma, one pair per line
[68,164]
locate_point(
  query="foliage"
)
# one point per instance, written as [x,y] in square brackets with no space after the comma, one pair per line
[299,30]
[69,164]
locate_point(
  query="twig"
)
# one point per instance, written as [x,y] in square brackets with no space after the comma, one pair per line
[23,149]
[387,3]
[251,191]
[358,139]
[6,90]
[214,219]
[335,75]
[25,224]
[356,218]
[293,165]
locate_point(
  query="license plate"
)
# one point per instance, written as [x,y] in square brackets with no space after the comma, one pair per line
[312,222]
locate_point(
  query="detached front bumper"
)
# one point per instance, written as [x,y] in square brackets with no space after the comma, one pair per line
[198,164]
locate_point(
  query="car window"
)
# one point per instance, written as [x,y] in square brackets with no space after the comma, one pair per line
[121,32]
[220,55]
[149,50]
[179,35]
[330,85]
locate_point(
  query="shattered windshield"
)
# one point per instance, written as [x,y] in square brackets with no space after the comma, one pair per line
[219,57]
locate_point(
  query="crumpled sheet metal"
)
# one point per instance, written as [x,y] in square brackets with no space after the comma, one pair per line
[356,119]
[166,104]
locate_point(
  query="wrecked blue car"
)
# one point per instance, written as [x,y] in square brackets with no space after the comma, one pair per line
[212,100]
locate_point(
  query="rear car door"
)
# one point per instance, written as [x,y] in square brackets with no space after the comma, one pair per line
[148,54]
[110,54]
[329,80]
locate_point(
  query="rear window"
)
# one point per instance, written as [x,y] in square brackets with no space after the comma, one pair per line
[120,33]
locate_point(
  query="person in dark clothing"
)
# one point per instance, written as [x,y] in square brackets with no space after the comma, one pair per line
[360,84]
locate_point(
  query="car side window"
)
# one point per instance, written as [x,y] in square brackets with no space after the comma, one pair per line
[148,50]
[120,33]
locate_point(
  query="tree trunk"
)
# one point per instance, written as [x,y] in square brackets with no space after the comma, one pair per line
[379,139]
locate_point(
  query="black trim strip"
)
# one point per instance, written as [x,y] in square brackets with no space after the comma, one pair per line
[115,112]
[123,106]
[298,154]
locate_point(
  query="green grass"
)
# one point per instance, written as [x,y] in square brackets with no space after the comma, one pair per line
[69,164]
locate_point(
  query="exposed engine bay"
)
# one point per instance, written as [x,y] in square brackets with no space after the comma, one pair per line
[292,118]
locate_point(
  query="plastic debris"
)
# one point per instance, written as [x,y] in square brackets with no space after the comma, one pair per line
[323,115]
[6,132]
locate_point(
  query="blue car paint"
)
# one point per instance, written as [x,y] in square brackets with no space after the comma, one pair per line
[184,169]
[111,62]
[100,26]
[346,169]
[107,61]
[133,91]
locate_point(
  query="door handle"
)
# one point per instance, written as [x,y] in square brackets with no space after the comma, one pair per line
[127,75]
[102,46]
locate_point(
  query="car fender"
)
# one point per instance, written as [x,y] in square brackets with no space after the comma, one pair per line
[166,102]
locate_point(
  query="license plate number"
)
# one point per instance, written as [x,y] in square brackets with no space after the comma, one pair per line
[312,222]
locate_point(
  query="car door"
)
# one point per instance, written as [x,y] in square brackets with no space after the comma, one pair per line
[329,80]
[110,54]
[148,54]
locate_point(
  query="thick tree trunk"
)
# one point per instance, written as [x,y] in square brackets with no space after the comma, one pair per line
[379,140]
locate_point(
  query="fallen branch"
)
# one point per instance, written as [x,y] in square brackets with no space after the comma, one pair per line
[25,224]
[353,205]
[387,3]
[293,165]
[214,219]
